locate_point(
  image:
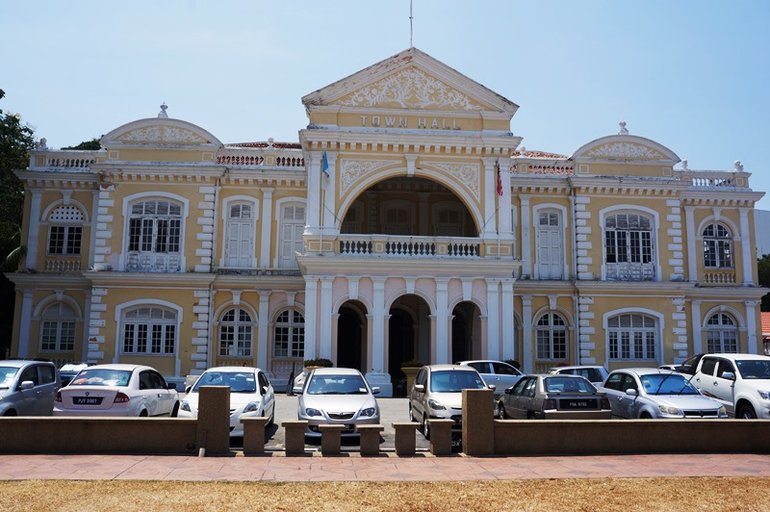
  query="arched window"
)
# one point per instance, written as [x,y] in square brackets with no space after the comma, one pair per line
[717,246]
[289,334]
[632,336]
[154,236]
[722,334]
[552,339]
[628,247]
[292,227]
[239,246]
[149,330]
[235,333]
[65,232]
[57,329]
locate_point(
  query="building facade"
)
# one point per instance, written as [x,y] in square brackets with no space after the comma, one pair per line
[406,224]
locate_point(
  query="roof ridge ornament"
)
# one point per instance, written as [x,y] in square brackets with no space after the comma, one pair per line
[738,166]
[623,129]
[162,112]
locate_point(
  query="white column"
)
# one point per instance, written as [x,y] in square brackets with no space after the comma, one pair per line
[747,256]
[25,321]
[34,229]
[507,323]
[86,326]
[378,324]
[92,232]
[313,193]
[526,239]
[526,329]
[329,187]
[325,336]
[263,332]
[751,326]
[493,319]
[697,342]
[311,316]
[692,256]
[267,228]
[442,321]
[505,222]
[488,229]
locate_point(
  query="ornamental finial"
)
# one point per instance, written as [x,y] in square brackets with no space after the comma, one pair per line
[623,129]
[163,108]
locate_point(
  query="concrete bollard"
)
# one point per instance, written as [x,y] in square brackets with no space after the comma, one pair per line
[254,435]
[330,439]
[369,438]
[213,436]
[441,436]
[406,444]
[478,422]
[295,437]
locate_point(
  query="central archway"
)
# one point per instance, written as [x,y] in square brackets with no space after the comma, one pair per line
[409,331]
[466,332]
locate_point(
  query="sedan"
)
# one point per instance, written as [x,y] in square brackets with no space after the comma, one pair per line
[337,396]
[117,390]
[251,394]
[555,397]
[655,393]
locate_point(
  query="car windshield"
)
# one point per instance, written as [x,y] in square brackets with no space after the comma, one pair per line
[239,382]
[568,385]
[754,368]
[337,385]
[667,384]
[454,381]
[6,376]
[101,377]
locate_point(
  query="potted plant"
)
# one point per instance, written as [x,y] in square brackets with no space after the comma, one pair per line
[410,369]
[319,362]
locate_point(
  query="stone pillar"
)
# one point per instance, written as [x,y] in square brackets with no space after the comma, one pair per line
[493,319]
[34,230]
[489,228]
[507,321]
[25,321]
[526,237]
[267,228]
[751,327]
[505,223]
[214,420]
[378,324]
[442,321]
[329,188]
[86,325]
[526,330]
[692,256]
[325,321]
[313,193]
[478,422]
[263,331]
[747,257]
[311,316]
[697,343]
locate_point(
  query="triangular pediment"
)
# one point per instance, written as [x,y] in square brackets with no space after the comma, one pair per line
[160,133]
[625,148]
[411,80]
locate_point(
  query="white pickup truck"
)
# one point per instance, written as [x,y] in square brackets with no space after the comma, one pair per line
[740,382]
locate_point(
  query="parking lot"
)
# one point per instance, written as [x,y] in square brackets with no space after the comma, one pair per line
[391,410]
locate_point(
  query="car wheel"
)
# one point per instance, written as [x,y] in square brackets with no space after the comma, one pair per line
[746,412]
[175,410]
[645,416]
[10,412]
[143,414]
[425,427]
[530,415]
[500,411]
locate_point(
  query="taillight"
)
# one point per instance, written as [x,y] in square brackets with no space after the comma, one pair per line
[121,398]
[58,397]
[549,403]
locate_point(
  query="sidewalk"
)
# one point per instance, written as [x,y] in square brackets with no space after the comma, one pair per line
[387,467]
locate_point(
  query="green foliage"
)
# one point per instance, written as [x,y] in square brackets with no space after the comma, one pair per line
[763,275]
[325,363]
[88,145]
[414,363]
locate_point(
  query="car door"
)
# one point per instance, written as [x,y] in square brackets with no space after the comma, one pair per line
[166,397]
[27,402]
[148,393]
[629,405]
[704,377]
[268,394]
[613,388]
[511,396]
[722,388]
[505,376]
[521,397]
[46,389]
[417,398]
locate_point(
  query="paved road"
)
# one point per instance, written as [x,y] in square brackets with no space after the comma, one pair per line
[391,410]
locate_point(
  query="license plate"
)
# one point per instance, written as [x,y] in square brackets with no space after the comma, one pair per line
[87,400]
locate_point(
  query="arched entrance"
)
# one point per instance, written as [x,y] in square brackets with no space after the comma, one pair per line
[466,332]
[408,337]
[351,336]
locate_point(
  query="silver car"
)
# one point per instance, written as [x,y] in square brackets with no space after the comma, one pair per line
[655,393]
[27,388]
[337,396]
[596,375]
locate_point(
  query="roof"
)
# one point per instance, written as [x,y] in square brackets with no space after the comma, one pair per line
[766,325]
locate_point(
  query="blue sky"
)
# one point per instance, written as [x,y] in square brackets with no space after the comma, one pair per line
[693,75]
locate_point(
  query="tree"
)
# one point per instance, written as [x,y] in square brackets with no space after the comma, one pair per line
[763,273]
[15,143]
[88,145]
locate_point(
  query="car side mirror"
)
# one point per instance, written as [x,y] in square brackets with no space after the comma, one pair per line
[264,390]
[492,387]
[631,392]
[375,390]
[419,387]
[297,390]
[188,389]
[509,391]
[728,375]
[27,384]
[171,385]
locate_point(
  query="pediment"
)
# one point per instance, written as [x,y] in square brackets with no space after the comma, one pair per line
[160,133]
[411,80]
[625,148]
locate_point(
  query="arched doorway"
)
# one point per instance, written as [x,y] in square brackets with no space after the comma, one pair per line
[466,332]
[408,337]
[351,336]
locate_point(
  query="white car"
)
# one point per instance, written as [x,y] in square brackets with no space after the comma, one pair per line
[740,382]
[251,394]
[117,390]
[337,396]
[596,375]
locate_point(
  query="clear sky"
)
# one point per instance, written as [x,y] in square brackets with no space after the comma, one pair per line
[693,75]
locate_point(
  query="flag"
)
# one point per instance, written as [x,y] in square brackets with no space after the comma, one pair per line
[499,179]
[325,164]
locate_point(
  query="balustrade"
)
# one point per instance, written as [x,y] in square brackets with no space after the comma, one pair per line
[411,246]
[719,277]
[62,264]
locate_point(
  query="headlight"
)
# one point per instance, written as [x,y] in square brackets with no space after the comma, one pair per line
[251,407]
[312,412]
[671,411]
[368,412]
[722,412]
[185,406]
[436,406]
[764,394]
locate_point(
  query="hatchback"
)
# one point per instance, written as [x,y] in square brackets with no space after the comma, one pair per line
[555,397]
[27,388]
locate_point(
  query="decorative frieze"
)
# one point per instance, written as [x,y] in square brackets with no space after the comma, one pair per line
[465,173]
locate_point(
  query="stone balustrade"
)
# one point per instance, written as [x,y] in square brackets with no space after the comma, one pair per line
[408,246]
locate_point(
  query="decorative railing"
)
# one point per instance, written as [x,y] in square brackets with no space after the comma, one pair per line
[408,246]
[153,262]
[716,179]
[281,367]
[66,159]
[254,157]
[62,264]
[234,361]
[719,277]
[630,272]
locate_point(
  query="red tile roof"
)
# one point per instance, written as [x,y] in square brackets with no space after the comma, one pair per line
[766,325]
[537,154]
